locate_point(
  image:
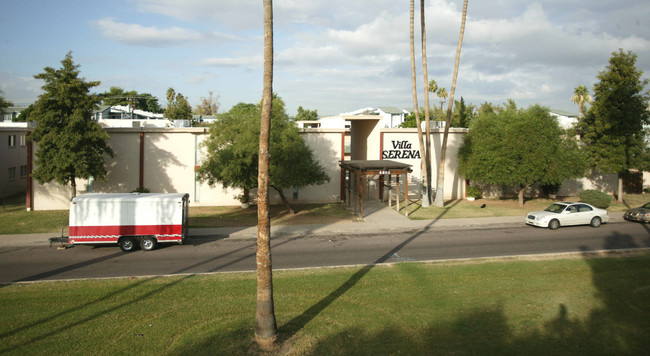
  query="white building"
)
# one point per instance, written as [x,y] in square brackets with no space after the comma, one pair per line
[566,120]
[13,158]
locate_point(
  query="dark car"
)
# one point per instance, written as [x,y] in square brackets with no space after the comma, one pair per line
[641,214]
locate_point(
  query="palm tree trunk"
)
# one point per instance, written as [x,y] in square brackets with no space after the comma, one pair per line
[416,112]
[266,330]
[620,189]
[440,184]
[427,122]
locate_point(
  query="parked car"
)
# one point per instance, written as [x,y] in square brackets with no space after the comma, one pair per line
[567,213]
[641,213]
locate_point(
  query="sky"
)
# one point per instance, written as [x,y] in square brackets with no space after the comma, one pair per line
[332,56]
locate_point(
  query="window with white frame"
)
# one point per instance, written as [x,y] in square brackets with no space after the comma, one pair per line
[11,142]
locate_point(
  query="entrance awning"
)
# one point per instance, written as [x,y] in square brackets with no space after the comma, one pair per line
[360,169]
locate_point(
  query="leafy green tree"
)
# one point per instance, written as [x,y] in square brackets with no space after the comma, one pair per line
[410,122]
[25,114]
[486,108]
[233,152]
[519,147]
[612,130]
[70,144]
[177,106]
[141,101]
[463,114]
[4,103]
[306,114]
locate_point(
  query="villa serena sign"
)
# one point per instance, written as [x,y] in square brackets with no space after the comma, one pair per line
[401,149]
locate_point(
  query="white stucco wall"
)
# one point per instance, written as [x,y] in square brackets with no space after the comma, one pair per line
[170,159]
[401,140]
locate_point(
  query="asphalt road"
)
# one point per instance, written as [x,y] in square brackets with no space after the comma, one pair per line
[214,254]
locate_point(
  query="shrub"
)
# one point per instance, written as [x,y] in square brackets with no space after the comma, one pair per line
[141,190]
[595,198]
[473,191]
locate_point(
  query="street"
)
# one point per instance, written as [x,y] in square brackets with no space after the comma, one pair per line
[207,254]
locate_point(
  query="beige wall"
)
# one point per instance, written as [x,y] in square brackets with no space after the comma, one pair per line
[122,176]
[170,157]
[364,134]
[327,146]
[454,183]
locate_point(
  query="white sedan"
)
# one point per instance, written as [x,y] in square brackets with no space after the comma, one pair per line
[567,213]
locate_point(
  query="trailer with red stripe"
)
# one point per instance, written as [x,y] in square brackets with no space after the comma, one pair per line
[129,220]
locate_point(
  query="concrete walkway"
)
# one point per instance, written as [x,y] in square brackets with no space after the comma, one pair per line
[378,218]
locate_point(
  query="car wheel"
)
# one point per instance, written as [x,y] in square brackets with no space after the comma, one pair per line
[595,221]
[148,243]
[553,224]
[127,244]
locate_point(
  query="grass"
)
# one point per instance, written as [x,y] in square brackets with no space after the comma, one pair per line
[504,207]
[579,306]
[231,216]
[14,219]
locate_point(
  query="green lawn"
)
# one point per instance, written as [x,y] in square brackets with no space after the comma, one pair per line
[580,306]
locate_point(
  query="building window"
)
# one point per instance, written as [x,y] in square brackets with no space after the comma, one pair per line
[23,171]
[12,173]
[23,141]
[12,141]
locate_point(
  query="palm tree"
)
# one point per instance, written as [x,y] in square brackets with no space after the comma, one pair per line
[442,94]
[171,93]
[433,88]
[440,183]
[266,330]
[580,96]
[416,112]
[427,119]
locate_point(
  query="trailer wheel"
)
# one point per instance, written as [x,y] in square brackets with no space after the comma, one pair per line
[148,243]
[127,244]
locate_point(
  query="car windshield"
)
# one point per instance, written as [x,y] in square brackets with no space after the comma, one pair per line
[555,208]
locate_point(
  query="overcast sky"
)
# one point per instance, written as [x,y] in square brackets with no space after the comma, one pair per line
[330,55]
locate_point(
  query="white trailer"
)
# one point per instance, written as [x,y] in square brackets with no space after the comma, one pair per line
[129,220]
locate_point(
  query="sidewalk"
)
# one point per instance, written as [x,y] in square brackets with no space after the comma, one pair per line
[378,218]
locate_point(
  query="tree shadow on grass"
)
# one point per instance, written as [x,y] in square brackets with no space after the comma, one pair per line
[620,327]
[288,330]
